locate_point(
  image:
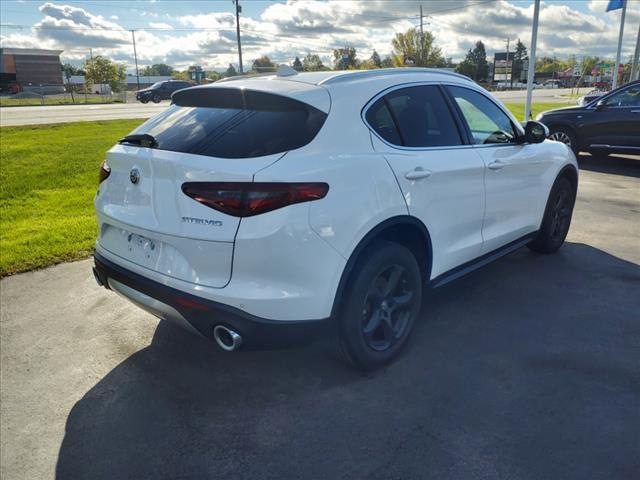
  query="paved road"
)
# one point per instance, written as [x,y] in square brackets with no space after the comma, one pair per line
[527,369]
[74,113]
[11,116]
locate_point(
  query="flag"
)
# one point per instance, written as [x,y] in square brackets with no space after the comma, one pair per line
[615,5]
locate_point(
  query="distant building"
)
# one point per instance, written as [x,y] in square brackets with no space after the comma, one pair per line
[30,67]
[503,66]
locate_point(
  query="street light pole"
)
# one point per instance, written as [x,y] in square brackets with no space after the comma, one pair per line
[635,68]
[532,60]
[135,57]
[615,67]
[238,10]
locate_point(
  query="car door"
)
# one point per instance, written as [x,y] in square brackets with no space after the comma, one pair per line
[515,172]
[441,178]
[615,122]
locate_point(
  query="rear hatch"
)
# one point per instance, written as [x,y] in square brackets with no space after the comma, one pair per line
[223,133]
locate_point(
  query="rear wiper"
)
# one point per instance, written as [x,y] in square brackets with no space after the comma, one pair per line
[142,139]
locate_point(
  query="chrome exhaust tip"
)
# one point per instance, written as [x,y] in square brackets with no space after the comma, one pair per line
[227,339]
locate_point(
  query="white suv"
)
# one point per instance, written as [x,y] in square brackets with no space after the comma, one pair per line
[265,210]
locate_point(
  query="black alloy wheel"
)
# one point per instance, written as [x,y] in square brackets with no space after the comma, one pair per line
[387,308]
[561,215]
[557,218]
[381,303]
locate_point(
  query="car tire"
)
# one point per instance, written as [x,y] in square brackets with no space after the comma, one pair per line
[566,136]
[156,99]
[557,218]
[382,301]
[144,100]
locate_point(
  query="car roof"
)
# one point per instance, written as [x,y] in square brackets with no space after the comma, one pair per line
[356,85]
[329,77]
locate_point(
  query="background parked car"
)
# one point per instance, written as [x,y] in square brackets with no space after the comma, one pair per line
[160,90]
[610,123]
[590,97]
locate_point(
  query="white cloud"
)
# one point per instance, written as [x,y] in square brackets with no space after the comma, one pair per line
[160,25]
[284,30]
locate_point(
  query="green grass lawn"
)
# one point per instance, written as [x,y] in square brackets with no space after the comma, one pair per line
[518,108]
[48,177]
[66,100]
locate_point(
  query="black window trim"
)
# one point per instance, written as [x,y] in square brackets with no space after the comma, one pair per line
[464,138]
[592,105]
[516,125]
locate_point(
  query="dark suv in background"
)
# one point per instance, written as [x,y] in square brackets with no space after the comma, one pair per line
[160,90]
[609,124]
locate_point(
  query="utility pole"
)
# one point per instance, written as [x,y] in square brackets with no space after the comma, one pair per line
[506,68]
[238,10]
[421,35]
[135,57]
[91,53]
[635,67]
[615,67]
[532,60]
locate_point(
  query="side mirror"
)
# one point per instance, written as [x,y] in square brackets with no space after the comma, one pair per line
[601,105]
[535,132]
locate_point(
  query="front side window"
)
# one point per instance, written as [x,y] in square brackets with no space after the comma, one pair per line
[233,123]
[627,98]
[414,117]
[487,122]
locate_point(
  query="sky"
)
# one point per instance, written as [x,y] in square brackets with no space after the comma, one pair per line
[182,33]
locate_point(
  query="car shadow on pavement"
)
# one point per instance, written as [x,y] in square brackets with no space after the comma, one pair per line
[525,369]
[627,165]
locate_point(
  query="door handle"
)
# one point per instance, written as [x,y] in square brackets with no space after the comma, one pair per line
[417,173]
[497,165]
[635,111]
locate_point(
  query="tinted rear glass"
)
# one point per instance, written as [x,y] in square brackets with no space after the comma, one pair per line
[233,123]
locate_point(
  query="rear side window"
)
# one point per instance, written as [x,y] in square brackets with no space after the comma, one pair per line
[233,123]
[414,117]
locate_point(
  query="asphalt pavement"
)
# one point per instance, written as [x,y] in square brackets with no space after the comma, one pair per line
[12,116]
[526,369]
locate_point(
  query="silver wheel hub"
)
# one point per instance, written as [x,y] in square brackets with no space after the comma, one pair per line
[561,137]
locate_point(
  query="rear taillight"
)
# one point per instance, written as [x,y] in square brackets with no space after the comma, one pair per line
[105,171]
[245,199]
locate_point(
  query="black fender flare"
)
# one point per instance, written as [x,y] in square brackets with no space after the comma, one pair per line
[374,234]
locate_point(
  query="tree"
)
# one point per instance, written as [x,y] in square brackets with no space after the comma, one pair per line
[519,58]
[213,75]
[158,69]
[312,63]
[345,58]
[102,70]
[72,70]
[297,65]
[231,71]
[375,59]
[387,62]
[475,63]
[412,48]
[263,64]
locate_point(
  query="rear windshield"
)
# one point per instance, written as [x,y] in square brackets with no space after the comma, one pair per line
[233,123]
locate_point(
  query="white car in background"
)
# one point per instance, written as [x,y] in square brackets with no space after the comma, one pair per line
[265,210]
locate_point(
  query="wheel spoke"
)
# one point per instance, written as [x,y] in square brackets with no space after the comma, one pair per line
[392,281]
[388,329]
[373,323]
[401,301]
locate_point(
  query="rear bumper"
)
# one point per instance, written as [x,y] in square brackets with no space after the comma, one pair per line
[201,315]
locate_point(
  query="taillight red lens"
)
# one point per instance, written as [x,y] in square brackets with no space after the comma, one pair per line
[105,171]
[246,199]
